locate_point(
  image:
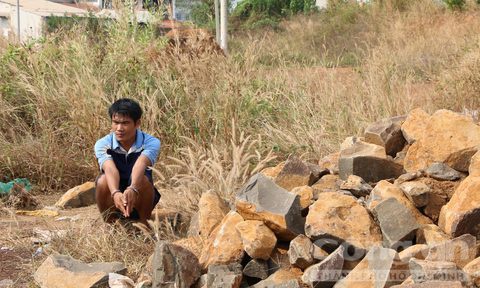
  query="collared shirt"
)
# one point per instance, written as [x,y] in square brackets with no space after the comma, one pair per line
[144,143]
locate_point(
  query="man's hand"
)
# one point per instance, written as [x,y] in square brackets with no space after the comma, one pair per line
[118,200]
[130,198]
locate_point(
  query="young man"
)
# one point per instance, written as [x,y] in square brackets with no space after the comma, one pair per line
[125,185]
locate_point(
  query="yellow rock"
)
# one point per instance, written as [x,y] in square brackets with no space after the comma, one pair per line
[38,213]
[272,172]
[258,240]
[414,126]
[79,196]
[445,136]
[306,195]
[211,211]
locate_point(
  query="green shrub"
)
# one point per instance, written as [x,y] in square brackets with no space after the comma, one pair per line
[455,4]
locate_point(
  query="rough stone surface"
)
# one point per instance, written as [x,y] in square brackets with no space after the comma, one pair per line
[211,211]
[431,234]
[384,190]
[61,271]
[357,186]
[256,268]
[261,199]
[441,171]
[461,214]
[326,273]
[416,192]
[279,259]
[387,133]
[379,268]
[258,240]
[474,168]
[371,169]
[423,271]
[396,222]
[300,252]
[432,284]
[328,183]
[414,126]
[272,172]
[418,251]
[460,250]
[79,196]
[224,246]
[460,160]
[473,271]
[440,193]
[174,266]
[192,244]
[224,276]
[445,134]
[318,253]
[295,173]
[281,279]
[305,193]
[330,162]
[408,177]
[340,218]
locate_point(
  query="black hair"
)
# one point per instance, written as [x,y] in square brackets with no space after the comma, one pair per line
[126,107]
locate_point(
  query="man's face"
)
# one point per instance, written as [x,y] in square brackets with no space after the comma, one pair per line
[124,128]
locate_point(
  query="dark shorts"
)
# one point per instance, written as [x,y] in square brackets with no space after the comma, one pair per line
[124,183]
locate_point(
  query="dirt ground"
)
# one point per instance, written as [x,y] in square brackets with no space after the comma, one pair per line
[19,255]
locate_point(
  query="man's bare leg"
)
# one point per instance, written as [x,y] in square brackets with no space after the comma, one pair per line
[104,200]
[144,203]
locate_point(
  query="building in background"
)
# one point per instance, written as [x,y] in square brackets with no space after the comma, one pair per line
[33,16]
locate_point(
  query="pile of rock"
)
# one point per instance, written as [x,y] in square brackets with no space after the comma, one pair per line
[398,206]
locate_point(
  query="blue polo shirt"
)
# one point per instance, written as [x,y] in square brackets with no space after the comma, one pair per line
[144,143]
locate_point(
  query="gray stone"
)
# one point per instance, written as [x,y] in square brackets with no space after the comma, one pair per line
[387,133]
[441,171]
[396,222]
[423,271]
[357,186]
[371,169]
[224,276]
[62,271]
[327,272]
[300,252]
[261,199]
[256,268]
[417,192]
[460,250]
[174,266]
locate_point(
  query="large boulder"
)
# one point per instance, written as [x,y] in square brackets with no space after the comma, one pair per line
[261,199]
[446,134]
[384,190]
[387,133]
[211,211]
[396,222]
[340,218]
[174,266]
[369,161]
[473,271]
[381,267]
[474,168]
[460,250]
[326,273]
[328,183]
[224,246]
[79,196]
[461,214]
[414,126]
[258,240]
[61,271]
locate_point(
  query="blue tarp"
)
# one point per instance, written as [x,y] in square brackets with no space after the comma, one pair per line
[5,188]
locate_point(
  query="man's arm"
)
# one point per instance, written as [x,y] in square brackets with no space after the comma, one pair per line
[138,172]
[113,180]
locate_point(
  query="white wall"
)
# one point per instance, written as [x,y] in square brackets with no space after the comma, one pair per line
[31,25]
[321,4]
